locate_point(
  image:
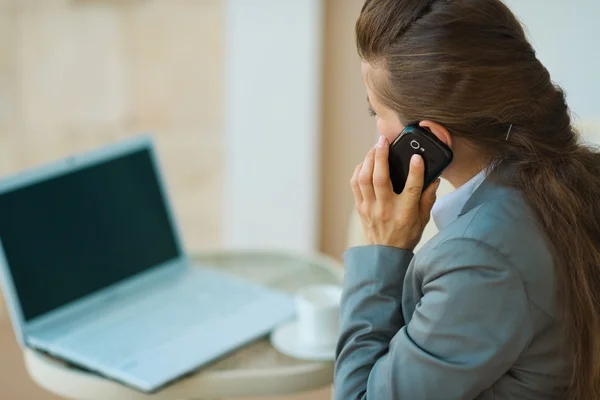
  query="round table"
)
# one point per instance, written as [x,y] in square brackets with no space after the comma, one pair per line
[255,370]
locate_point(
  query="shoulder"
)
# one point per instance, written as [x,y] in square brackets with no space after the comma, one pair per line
[502,233]
[505,224]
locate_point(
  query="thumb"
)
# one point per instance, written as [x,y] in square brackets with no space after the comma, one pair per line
[428,200]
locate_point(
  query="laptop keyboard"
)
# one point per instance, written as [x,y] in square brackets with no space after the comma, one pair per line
[121,335]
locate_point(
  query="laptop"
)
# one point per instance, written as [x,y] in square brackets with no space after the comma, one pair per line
[94,272]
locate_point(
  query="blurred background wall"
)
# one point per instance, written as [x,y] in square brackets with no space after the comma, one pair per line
[272,115]
[75,74]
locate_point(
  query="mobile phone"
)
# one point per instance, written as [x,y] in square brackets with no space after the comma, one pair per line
[417,140]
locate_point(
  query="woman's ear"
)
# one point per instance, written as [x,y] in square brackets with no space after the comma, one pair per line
[438,130]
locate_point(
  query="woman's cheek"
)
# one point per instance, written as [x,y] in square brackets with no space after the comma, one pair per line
[391,133]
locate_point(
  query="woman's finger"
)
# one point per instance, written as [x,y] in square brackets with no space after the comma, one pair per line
[428,200]
[365,177]
[354,184]
[411,195]
[381,174]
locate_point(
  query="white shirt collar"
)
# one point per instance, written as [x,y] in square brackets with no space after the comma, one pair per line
[448,207]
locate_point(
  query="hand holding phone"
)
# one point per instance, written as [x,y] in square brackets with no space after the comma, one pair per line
[389,219]
[417,140]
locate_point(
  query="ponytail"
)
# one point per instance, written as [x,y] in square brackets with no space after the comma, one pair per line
[563,189]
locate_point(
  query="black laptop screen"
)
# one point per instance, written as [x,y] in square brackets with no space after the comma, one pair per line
[80,232]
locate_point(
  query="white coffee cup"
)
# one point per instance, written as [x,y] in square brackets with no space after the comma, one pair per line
[318,313]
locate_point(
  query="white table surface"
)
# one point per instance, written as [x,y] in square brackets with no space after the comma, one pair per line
[255,370]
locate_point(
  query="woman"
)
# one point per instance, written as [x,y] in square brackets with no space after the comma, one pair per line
[504,303]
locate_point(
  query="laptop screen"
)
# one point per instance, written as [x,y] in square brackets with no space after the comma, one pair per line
[77,233]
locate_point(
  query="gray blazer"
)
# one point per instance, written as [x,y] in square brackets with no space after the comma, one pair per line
[472,315]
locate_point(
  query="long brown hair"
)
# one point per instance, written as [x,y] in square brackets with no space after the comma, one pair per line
[468,65]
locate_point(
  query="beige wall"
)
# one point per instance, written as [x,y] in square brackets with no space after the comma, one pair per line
[77,74]
[348,131]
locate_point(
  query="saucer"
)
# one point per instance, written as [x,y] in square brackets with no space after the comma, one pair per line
[285,339]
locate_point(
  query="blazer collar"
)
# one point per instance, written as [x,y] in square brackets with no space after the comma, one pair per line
[488,190]
[447,208]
